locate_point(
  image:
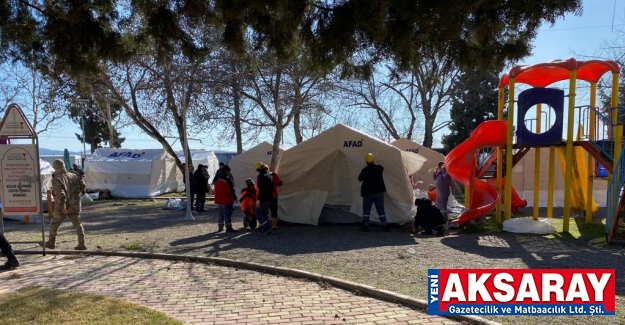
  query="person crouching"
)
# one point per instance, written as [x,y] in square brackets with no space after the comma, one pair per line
[429,217]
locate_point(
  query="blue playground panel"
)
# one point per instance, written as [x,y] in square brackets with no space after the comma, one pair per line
[601,171]
[553,98]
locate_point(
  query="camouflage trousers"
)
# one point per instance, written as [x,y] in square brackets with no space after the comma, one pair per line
[57,220]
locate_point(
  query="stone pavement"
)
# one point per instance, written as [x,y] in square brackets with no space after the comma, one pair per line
[197,293]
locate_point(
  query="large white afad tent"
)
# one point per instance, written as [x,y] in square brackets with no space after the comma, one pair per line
[198,157]
[131,173]
[424,175]
[242,166]
[323,172]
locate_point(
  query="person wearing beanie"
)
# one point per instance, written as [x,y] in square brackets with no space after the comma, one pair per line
[225,197]
[67,189]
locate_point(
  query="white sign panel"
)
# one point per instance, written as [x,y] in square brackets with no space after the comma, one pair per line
[14,124]
[19,180]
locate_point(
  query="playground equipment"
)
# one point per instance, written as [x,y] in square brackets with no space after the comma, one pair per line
[599,133]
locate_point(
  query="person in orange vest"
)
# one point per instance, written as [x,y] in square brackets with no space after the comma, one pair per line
[432,193]
[248,204]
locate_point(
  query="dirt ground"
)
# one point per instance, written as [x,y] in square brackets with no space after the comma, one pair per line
[396,261]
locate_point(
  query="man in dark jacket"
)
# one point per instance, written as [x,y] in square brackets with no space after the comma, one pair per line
[225,197]
[201,188]
[372,192]
[265,185]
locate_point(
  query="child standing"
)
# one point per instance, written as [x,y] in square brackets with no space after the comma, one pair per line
[248,204]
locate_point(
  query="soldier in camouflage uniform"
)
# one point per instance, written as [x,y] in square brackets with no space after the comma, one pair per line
[67,188]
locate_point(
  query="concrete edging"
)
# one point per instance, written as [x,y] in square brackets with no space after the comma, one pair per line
[283,271]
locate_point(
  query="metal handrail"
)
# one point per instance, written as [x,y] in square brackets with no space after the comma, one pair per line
[603,132]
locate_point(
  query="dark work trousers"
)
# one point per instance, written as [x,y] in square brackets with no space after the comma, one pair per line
[6,248]
[274,208]
[200,201]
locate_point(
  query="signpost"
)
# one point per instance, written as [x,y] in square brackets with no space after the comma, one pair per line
[20,181]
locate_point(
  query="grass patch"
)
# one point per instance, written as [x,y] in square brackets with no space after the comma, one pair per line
[52,307]
[402,256]
[594,233]
[488,226]
[133,246]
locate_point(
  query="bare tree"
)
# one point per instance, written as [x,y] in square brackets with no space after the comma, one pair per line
[228,77]
[403,102]
[39,96]
[279,89]
[155,95]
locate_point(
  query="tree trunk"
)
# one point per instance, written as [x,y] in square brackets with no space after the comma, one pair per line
[93,145]
[276,147]
[297,127]
[237,119]
[428,137]
[109,123]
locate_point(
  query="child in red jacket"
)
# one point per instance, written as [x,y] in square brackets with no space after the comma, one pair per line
[248,204]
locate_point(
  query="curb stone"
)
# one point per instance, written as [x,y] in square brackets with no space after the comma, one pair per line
[357,288]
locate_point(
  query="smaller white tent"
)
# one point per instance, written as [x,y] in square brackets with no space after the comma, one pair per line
[45,173]
[323,171]
[73,159]
[242,166]
[424,174]
[131,173]
[198,156]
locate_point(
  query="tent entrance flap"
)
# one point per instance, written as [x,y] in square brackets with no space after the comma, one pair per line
[307,210]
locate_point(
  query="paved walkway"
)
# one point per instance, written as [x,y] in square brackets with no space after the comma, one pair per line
[197,293]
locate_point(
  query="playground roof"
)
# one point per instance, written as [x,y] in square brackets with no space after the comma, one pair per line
[544,74]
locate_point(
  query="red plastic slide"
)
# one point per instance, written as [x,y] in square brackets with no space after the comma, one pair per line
[461,165]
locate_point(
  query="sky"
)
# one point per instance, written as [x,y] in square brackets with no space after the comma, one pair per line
[573,36]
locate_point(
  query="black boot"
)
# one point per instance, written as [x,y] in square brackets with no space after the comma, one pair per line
[11,263]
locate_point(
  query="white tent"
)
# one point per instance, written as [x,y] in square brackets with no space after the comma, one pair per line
[73,159]
[433,157]
[242,166]
[45,173]
[131,173]
[323,171]
[198,156]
